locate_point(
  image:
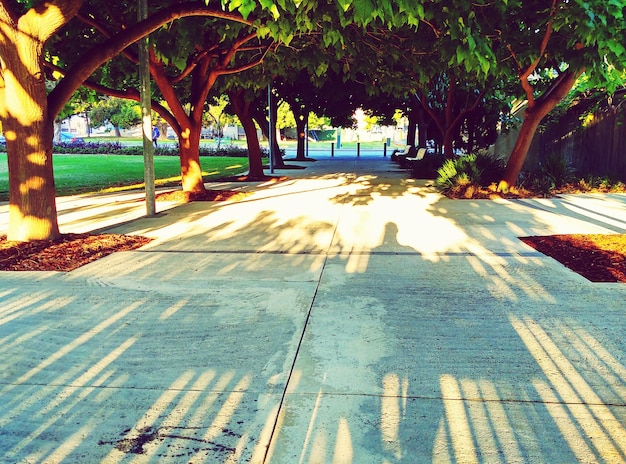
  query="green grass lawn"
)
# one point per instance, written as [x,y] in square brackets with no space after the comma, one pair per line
[98,173]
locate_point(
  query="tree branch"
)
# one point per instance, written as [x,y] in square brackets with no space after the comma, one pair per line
[526,73]
[101,53]
[43,20]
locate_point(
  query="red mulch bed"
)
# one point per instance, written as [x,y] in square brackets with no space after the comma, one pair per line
[209,195]
[67,253]
[597,257]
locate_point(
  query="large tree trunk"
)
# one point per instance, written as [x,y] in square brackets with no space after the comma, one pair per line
[26,123]
[264,125]
[520,150]
[300,147]
[300,114]
[536,111]
[448,141]
[187,126]
[32,203]
[242,109]
[190,169]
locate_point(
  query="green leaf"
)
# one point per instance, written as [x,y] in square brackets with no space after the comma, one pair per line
[471,43]
[364,11]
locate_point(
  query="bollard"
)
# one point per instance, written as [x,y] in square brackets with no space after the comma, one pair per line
[384,150]
[358,149]
[332,149]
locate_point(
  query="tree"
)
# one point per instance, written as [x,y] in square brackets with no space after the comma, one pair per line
[26,109]
[121,114]
[241,101]
[27,124]
[27,112]
[185,61]
[215,116]
[550,49]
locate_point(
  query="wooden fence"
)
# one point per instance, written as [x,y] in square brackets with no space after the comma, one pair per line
[595,145]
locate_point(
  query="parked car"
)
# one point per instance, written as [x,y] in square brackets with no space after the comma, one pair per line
[170,134]
[71,139]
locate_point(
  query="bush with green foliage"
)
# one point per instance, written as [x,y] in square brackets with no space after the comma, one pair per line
[557,170]
[553,172]
[93,148]
[476,170]
[116,148]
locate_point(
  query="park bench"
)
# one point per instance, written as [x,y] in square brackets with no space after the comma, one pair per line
[408,162]
[397,155]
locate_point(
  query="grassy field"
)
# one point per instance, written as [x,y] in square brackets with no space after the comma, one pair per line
[99,173]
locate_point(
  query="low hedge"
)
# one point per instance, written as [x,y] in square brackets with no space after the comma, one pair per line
[116,148]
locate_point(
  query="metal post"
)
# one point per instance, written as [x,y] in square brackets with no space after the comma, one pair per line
[270,131]
[358,149]
[146,110]
[332,149]
[306,137]
[384,150]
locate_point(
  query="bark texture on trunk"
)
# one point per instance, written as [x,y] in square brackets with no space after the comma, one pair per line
[242,109]
[190,169]
[26,123]
[536,111]
[261,120]
[300,147]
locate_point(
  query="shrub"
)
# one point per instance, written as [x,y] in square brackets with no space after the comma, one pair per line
[87,147]
[468,172]
[556,170]
[116,148]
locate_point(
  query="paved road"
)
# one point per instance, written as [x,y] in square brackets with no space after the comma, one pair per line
[348,314]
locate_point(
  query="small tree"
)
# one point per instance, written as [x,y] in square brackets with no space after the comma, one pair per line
[120,113]
[550,49]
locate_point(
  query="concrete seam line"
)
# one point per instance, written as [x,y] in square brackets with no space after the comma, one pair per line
[306,324]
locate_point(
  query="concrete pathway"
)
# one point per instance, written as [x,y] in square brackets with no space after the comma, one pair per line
[346,315]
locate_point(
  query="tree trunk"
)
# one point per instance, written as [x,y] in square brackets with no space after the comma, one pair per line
[422,126]
[264,125]
[26,123]
[300,128]
[520,150]
[242,109]
[29,134]
[533,115]
[448,139]
[187,126]
[410,137]
[278,159]
[300,113]
[190,169]
[32,204]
